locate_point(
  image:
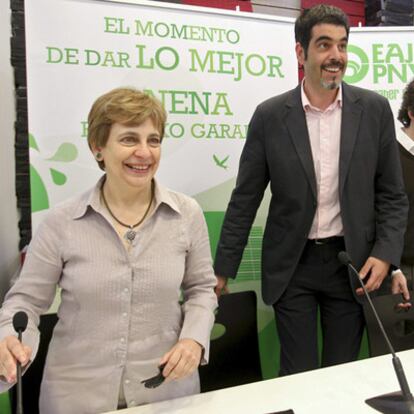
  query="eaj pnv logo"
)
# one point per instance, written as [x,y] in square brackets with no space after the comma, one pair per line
[381,63]
[358,65]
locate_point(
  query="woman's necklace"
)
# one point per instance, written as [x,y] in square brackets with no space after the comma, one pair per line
[131,233]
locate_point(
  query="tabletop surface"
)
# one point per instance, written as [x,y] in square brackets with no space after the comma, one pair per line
[341,389]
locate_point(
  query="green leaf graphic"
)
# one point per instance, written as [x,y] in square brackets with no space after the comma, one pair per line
[39,197]
[66,152]
[32,142]
[58,177]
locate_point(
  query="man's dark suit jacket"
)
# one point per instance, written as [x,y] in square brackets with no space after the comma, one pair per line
[277,150]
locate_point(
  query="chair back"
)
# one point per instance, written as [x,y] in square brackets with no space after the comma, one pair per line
[234,356]
[399,325]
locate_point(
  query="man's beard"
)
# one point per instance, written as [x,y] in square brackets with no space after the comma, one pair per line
[334,83]
[330,85]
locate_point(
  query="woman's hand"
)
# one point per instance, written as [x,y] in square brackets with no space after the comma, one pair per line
[12,350]
[182,360]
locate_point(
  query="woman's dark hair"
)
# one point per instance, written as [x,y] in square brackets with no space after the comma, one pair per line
[407,105]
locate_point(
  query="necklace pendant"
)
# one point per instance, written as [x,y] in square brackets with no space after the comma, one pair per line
[130,235]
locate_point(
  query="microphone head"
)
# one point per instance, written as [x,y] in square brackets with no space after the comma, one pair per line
[20,321]
[344,258]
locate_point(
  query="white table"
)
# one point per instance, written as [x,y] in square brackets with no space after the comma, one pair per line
[336,390]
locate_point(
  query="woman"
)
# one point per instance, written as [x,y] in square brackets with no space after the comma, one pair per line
[123,254]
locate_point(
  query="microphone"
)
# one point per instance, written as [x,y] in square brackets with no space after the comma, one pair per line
[19,324]
[397,402]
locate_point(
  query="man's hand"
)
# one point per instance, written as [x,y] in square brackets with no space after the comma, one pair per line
[399,285]
[221,286]
[182,360]
[376,270]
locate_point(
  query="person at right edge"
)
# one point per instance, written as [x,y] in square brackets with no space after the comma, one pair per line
[405,137]
[328,151]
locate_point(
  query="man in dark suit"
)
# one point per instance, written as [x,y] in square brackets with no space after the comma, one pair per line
[329,153]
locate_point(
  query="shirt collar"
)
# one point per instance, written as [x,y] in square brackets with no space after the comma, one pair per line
[163,196]
[92,199]
[405,140]
[308,106]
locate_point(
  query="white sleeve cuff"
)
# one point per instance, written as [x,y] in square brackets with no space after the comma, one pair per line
[394,272]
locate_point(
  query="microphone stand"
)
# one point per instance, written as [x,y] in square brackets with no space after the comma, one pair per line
[19,405]
[20,320]
[400,402]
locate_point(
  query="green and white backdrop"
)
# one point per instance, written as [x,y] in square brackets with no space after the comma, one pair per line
[209,67]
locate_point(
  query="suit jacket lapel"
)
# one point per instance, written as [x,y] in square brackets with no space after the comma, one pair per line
[351,117]
[298,130]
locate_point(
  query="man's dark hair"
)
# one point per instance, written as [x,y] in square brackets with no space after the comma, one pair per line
[319,14]
[407,105]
